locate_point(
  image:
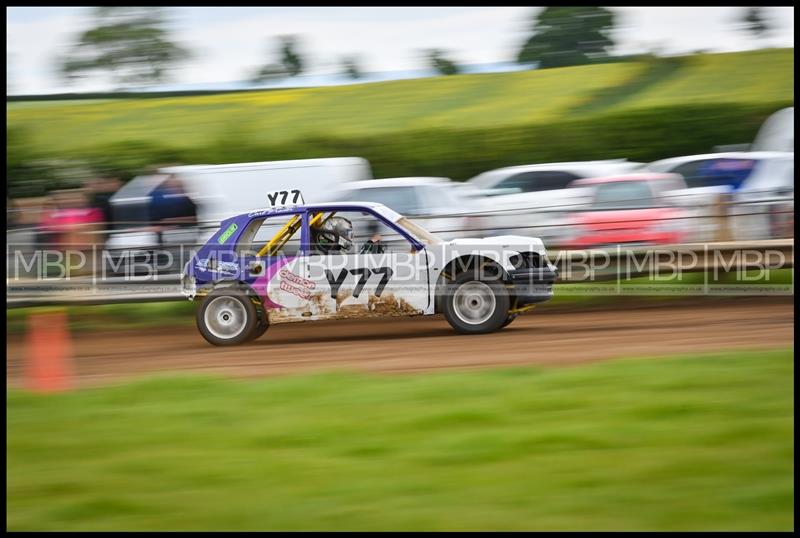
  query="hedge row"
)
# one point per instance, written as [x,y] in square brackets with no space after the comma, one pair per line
[639,135]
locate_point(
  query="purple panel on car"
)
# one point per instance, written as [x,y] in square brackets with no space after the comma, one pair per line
[260,284]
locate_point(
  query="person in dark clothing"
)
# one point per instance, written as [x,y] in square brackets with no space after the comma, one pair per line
[100,192]
[171,207]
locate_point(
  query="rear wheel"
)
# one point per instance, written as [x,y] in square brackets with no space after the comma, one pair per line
[227,318]
[476,307]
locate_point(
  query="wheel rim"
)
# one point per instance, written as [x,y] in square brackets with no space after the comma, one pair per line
[474,302]
[225,317]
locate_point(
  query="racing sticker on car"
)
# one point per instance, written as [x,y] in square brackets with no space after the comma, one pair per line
[295,284]
[212,265]
[295,195]
[227,233]
[364,274]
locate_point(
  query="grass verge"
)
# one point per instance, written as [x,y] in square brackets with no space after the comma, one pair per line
[694,442]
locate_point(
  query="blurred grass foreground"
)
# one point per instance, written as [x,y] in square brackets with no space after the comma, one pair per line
[685,443]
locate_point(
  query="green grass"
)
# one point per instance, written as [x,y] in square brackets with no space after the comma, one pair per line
[462,101]
[682,443]
[112,316]
[718,78]
[672,288]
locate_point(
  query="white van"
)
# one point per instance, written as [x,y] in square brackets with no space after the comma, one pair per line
[220,191]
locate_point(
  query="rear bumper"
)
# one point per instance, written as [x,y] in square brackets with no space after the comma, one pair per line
[533,285]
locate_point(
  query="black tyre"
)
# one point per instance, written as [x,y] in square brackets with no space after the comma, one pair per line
[475,307]
[262,325]
[509,319]
[227,317]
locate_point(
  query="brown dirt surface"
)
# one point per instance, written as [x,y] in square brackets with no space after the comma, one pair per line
[555,336]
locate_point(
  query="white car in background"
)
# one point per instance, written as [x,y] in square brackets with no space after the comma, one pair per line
[435,202]
[534,198]
[758,185]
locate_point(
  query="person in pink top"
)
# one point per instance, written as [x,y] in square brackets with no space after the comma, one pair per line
[70,225]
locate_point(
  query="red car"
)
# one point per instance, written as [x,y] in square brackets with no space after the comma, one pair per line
[628,210]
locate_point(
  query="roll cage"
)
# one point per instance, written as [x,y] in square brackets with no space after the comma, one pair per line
[302,219]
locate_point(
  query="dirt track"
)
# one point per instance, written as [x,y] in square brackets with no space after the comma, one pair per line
[544,336]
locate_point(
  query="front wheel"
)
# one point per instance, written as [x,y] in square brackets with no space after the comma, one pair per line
[509,319]
[261,326]
[475,306]
[227,318]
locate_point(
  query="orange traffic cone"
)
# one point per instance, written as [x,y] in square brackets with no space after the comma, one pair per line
[49,352]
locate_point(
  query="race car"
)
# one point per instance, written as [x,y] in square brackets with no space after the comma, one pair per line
[356,260]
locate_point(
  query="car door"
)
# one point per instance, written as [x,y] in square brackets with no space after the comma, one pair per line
[276,274]
[356,284]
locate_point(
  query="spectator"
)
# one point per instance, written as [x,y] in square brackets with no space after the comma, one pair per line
[100,192]
[71,224]
[175,218]
[171,207]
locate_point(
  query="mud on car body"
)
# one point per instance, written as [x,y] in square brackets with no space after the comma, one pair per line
[270,266]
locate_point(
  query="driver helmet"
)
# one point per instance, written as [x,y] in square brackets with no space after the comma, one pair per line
[335,234]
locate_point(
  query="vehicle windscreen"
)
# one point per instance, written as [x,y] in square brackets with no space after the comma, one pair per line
[623,194]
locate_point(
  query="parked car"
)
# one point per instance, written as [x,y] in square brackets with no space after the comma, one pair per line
[434,202]
[763,206]
[534,198]
[756,182]
[628,210]
[545,178]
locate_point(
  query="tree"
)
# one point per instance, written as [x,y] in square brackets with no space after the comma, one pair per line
[130,43]
[753,21]
[351,68]
[289,64]
[442,65]
[290,58]
[269,72]
[565,36]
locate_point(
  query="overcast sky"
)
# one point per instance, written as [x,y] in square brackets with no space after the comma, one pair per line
[229,43]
